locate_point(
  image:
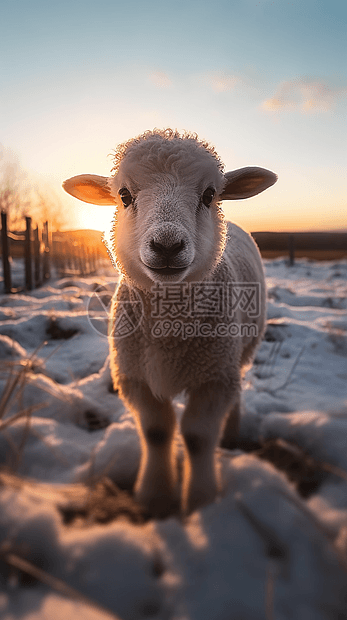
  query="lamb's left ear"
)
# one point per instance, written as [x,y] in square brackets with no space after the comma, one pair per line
[247,182]
[89,188]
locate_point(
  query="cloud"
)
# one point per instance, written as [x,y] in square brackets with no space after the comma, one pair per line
[160,79]
[305,95]
[222,82]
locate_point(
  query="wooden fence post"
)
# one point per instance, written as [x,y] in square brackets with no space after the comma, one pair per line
[76,259]
[27,255]
[5,253]
[62,259]
[93,258]
[46,255]
[81,260]
[37,258]
[88,261]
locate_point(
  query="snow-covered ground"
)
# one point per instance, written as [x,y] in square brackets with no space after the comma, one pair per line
[264,550]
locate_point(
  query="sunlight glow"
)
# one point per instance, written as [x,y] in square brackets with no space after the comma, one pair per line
[92,217]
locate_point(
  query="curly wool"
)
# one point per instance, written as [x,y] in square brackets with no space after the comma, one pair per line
[151,146]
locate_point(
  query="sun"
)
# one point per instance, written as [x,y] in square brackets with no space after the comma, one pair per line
[93,217]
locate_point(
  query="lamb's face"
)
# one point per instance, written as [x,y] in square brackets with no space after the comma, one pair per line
[168,226]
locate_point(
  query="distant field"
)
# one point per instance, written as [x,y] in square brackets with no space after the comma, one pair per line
[311,254]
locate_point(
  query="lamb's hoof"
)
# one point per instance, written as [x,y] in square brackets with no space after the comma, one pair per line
[159,507]
[197,499]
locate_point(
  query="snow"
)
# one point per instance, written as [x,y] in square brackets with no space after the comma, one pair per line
[262,550]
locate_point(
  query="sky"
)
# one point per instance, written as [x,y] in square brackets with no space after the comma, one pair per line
[264,81]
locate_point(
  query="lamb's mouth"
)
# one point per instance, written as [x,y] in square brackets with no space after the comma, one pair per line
[167,271]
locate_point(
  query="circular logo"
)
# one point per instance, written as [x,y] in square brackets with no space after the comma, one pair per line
[128,310]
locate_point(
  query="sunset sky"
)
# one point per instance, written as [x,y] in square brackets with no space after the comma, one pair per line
[265,82]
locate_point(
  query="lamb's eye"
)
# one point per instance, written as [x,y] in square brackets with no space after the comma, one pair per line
[125,196]
[208,196]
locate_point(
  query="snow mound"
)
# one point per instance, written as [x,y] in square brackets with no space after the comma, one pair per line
[273,545]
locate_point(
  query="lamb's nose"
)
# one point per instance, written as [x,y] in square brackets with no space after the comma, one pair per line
[168,250]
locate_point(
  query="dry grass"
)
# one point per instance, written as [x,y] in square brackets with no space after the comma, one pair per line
[101,502]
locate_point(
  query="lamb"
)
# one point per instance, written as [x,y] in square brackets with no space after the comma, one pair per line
[193,292]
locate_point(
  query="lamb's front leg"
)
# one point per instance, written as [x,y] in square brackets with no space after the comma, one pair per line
[156,485]
[202,426]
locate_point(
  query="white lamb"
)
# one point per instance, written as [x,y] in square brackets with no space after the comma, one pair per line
[180,262]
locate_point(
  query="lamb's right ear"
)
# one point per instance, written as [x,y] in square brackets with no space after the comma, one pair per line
[89,188]
[247,182]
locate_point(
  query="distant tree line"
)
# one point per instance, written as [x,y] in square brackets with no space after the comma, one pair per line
[22,195]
